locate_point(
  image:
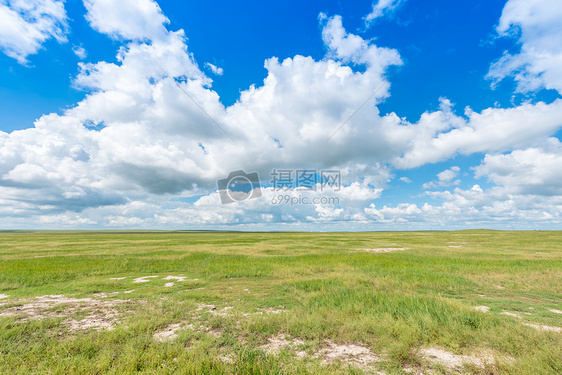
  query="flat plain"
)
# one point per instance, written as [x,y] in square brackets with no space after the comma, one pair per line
[470,302]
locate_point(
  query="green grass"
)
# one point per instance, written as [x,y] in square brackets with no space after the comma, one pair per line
[325,285]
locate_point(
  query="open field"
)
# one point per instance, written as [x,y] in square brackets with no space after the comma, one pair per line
[474,302]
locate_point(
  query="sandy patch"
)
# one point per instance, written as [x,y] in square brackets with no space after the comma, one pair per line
[99,314]
[465,242]
[352,354]
[143,279]
[551,310]
[544,328]
[510,314]
[168,285]
[385,249]
[213,309]
[482,308]
[118,278]
[454,361]
[129,291]
[2,296]
[169,334]
[276,343]
[270,310]
[455,246]
[104,295]
[178,278]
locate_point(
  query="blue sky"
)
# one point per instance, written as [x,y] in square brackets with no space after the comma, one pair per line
[125,114]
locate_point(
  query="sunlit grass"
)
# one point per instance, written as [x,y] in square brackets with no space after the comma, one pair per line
[326,286]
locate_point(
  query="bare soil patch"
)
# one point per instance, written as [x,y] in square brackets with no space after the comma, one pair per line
[353,354]
[100,314]
[544,328]
[455,361]
[143,279]
[385,249]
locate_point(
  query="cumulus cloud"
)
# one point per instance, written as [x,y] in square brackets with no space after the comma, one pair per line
[80,52]
[139,133]
[380,8]
[127,19]
[440,135]
[26,24]
[538,27]
[214,69]
[444,179]
[534,171]
[150,134]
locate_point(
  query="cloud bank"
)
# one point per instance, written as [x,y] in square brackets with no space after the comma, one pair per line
[145,147]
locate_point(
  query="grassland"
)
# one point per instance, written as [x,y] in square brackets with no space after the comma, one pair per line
[272,303]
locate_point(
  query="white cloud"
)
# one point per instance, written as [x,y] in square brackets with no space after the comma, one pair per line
[124,155]
[353,48]
[406,180]
[442,134]
[380,8]
[80,52]
[538,26]
[534,171]
[26,24]
[127,19]
[214,69]
[137,135]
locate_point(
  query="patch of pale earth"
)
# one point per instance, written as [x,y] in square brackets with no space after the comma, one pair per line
[168,285]
[118,278]
[129,291]
[169,334]
[352,354]
[410,370]
[465,242]
[2,296]
[551,310]
[209,308]
[482,308]
[104,295]
[270,310]
[385,249]
[499,287]
[226,358]
[276,343]
[454,361]
[455,246]
[213,309]
[95,321]
[100,314]
[510,314]
[544,328]
[143,279]
[178,278]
